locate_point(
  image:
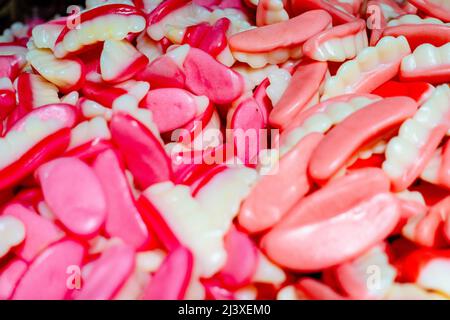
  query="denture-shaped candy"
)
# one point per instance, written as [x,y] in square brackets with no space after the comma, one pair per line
[322,116]
[142,151]
[34,91]
[85,216]
[372,67]
[364,125]
[337,44]
[324,228]
[97,285]
[120,61]
[417,30]
[46,277]
[303,87]
[123,220]
[180,211]
[34,139]
[40,233]
[66,74]
[88,133]
[273,195]
[278,42]
[408,153]
[427,63]
[108,22]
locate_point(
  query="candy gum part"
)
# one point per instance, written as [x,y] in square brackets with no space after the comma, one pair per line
[34,91]
[339,16]
[304,84]
[365,73]
[112,21]
[263,208]
[364,125]
[435,8]
[429,127]
[322,117]
[302,224]
[281,35]
[337,44]
[32,129]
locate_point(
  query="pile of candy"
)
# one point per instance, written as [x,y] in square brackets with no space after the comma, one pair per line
[227,149]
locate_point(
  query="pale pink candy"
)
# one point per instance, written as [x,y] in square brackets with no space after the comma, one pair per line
[335,223]
[107,274]
[47,277]
[10,274]
[206,76]
[123,220]
[274,194]
[74,194]
[172,279]
[171,108]
[40,232]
